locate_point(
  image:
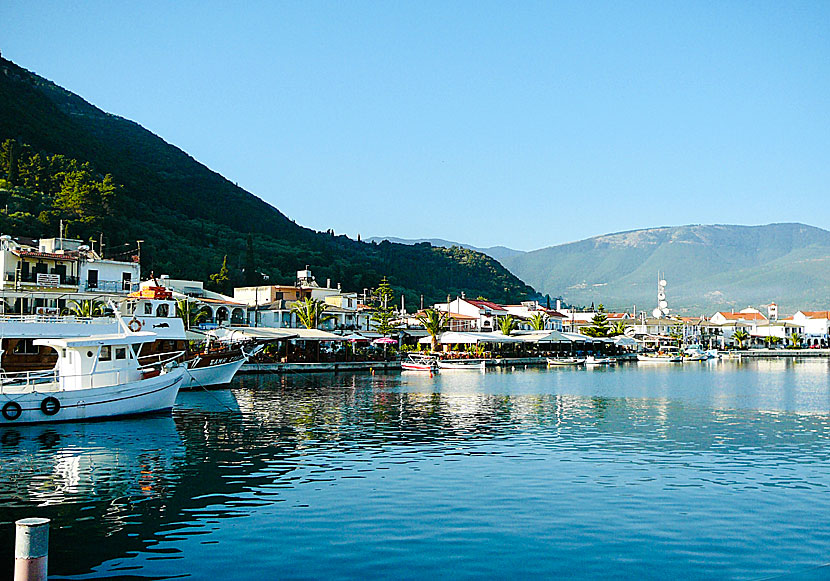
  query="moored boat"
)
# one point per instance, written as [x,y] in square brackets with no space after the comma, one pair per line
[468,364]
[416,362]
[565,361]
[95,377]
[591,360]
[657,358]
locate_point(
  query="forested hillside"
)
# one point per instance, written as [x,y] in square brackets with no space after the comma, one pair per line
[105,176]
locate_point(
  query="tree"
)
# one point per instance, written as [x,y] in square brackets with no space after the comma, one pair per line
[676,333]
[85,308]
[618,328]
[189,312]
[507,324]
[434,322]
[309,312]
[795,339]
[740,336]
[599,324]
[538,321]
[771,341]
[384,315]
[220,279]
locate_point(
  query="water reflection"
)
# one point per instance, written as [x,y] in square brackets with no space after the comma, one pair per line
[343,465]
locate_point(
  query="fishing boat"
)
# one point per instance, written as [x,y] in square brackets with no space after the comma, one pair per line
[418,363]
[591,360]
[657,358]
[468,364]
[95,377]
[564,361]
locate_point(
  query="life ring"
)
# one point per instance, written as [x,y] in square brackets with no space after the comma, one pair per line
[12,410]
[134,325]
[50,406]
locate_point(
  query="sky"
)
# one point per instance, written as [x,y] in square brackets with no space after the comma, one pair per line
[521,124]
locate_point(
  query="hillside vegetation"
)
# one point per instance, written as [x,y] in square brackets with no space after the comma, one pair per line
[707,267]
[105,175]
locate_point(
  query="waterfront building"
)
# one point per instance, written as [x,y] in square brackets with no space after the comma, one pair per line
[40,276]
[485,314]
[815,326]
[527,309]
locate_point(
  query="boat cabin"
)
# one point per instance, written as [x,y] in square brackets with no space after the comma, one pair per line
[98,361]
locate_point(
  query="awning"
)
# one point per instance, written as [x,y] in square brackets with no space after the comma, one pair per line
[257,333]
[542,337]
[453,337]
[577,337]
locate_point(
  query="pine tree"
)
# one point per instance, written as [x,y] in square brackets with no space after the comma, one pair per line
[384,311]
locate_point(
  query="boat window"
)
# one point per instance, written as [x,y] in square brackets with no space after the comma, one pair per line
[163,310]
[120,352]
[130,308]
[89,353]
[106,354]
[26,347]
[148,308]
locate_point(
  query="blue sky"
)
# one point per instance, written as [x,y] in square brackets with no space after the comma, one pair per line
[522,124]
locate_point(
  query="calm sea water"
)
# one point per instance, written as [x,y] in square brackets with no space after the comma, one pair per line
[701,471]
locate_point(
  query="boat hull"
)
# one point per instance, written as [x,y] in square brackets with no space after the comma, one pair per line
[137,397]
[212,375]
[415,367]
[647,359]
[565,362]
[477,366]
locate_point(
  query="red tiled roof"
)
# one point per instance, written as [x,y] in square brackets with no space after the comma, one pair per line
[47,255]
[816,314]
[485,305]
[742,316]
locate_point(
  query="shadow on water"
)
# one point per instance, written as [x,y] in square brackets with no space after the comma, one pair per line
[125,496]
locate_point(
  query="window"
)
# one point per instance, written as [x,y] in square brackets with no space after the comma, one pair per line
[25,347]
[148,308]
[163,310]
[92,279]
[106,354]
[126,281]
[120,352]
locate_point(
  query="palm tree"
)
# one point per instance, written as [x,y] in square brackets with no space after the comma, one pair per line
[740,336]
[773,340]
[86,308]
[190,312]
[537,321]
[507,324]
[618,328]
[795,338]
[434,322]
[310,312]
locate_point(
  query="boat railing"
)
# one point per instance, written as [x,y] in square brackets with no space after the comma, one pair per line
[53,381]
[162,359]
[53,318]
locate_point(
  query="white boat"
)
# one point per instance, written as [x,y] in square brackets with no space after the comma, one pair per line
[468,364]
[565,361]
[591,360]
[95,377]
[659,358]
[418,363]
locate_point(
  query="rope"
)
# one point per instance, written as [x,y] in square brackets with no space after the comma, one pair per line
[207,391]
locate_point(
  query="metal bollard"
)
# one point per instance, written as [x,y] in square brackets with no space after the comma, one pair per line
[31,549]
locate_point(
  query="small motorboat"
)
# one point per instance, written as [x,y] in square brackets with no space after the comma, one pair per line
[416,362]
[591,360]
[657,358]
[564,361]
[467,364]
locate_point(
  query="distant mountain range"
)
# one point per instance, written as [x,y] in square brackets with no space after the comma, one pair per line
[192,220]
[498,252]
[707,267]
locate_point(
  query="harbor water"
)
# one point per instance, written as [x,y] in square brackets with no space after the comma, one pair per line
[716,470]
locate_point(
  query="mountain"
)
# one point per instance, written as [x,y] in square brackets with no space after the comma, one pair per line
[497,252]
[707,268]
[128,184]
